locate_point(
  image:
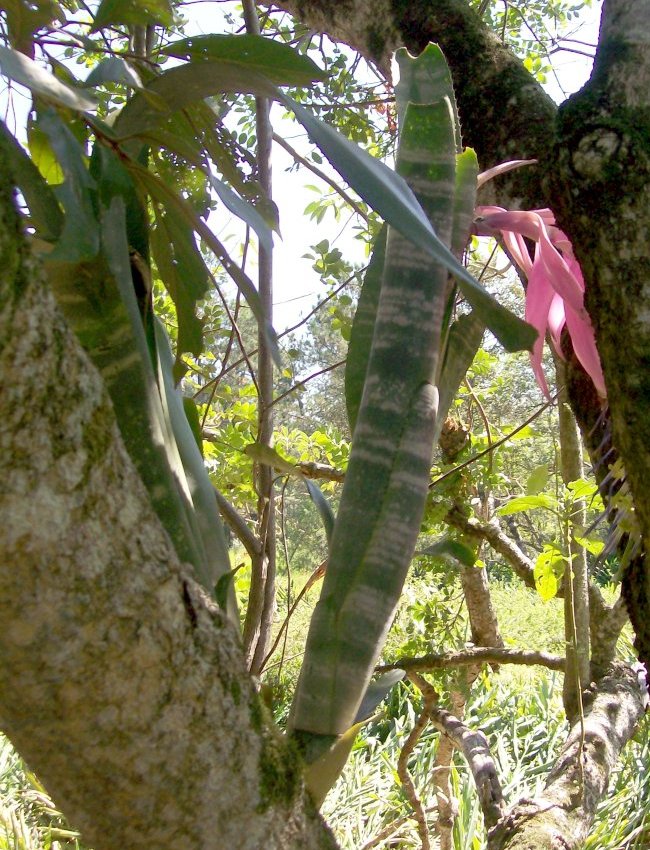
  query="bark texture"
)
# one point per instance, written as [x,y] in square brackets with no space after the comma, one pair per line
[560,817]
[602,191]
[121,683]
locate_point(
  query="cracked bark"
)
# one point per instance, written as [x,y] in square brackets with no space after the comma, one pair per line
[121,683]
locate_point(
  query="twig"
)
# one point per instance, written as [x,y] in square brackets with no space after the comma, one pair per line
[238,524]
[298,384]
[321,174]
[317,574]
[405,777]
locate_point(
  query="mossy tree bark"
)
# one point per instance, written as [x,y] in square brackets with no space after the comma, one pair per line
[121,683]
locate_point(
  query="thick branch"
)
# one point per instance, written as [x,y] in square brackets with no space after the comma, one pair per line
[561,816]
[473,745]
[121,683]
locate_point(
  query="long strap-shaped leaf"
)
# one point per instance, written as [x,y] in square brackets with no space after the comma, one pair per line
[386,482]
[97,295]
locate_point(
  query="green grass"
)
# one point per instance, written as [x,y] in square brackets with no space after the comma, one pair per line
[29,819]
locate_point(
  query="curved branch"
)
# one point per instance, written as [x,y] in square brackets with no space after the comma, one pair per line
[473,745]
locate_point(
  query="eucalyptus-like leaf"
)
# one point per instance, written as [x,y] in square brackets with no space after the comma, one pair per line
[216,562]
[114,69]
[268,456]
[184,274]
[46,215]
[80,237]
[24,18]
[21,69]
[388,194]
[322,506]
[133,13]
[276,61]
[181,86]
[178,206]
[451,549]
[243,210]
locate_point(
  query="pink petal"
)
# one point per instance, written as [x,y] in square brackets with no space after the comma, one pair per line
[584,345]
[517,221]
[559,274]
[556,321]
[484,176]
[539,295]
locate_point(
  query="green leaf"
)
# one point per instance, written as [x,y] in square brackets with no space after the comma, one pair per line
[181,86]
[184,274]
[451,549]
[548,572]
[591,544]
[268,456]
[42,154]
[277,62]
[114,69]
[243,210]
[204,513]
[46,215]
[583,489]
[21,69]
[537,480]
[323,506]
[321,774]
[363,327]
[133,13]
[526,503]
[425,79]
[192,413]
[463,341]
[388,194]
[378,690]
[80,237]
[24,17]
[177,206]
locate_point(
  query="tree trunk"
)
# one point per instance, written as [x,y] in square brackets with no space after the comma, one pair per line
[121,683]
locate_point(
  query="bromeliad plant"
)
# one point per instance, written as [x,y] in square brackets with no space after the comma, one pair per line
[555,289]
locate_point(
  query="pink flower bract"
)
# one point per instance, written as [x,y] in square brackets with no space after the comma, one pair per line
[556,288]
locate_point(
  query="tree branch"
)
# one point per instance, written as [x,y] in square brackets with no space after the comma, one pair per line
[560,817]
[107,643]
[251,543]
[475,749]
[477,655]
